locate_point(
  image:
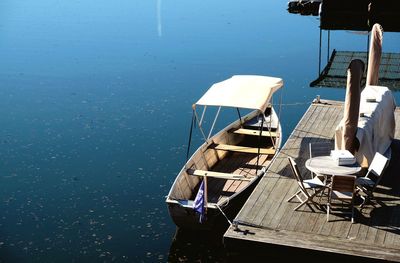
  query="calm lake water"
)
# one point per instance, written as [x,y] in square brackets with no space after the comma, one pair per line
[96,103]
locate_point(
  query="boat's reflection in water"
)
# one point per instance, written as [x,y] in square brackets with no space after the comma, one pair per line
[196,246]
[203,245]
[207,245]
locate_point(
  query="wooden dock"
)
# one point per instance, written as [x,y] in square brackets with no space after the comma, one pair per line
[268,220]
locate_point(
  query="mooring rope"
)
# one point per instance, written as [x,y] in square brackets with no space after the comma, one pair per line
[222,212]
[296,103]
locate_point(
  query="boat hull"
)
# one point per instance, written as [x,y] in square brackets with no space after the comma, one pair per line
[188,219]
[186,186]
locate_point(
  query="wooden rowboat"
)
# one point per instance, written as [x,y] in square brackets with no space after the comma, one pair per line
[230,162]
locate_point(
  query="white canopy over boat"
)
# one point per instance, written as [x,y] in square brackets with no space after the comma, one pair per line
[242,91]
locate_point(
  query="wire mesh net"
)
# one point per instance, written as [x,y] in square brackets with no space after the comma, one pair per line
[334,74]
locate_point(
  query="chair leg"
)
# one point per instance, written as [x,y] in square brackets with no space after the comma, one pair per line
[307,199]
[328,205]
[365,200]
[327,212]
[368,195]
[299,197]
[310,206]
[322,194]
[293,196]
[300,205]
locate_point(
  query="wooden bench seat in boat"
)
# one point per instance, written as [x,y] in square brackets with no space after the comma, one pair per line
[244,149]
[228,176]
[255,132]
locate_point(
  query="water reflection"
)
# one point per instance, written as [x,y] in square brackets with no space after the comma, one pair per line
[190,246]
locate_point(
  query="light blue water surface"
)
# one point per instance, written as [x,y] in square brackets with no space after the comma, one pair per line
[96,104]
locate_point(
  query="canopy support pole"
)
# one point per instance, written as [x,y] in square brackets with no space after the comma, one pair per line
[369,33]
[198,122]
[190,136]
[329,45]
[202,115]
[215,120]
[240,117]
[279,118]
[319,58]
[259,140]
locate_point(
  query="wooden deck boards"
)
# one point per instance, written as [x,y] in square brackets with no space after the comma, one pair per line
[271,219]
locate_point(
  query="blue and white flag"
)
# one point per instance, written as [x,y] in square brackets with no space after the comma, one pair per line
[199,203]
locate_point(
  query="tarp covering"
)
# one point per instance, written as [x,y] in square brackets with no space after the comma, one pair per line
[376,125]
[242,91]
[351,106]
[375,53]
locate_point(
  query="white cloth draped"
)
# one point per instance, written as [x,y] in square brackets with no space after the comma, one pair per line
[376,125]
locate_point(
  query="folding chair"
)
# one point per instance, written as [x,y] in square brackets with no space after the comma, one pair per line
[319,149]
[309,188]
[342,188]
[370,181]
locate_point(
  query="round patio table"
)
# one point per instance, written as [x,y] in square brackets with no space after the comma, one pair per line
[326,165]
